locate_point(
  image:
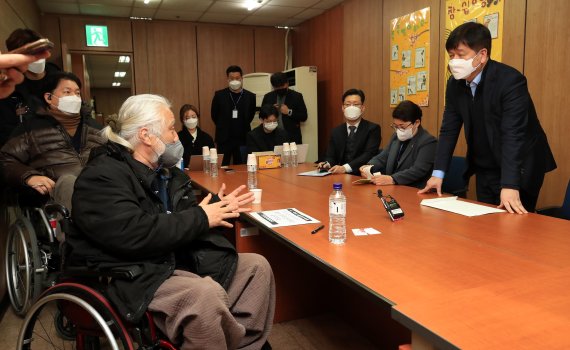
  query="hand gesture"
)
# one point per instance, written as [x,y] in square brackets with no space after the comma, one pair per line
[510,200]
[433,183]
[337,169]
[12,68]
[219,212]
[42,184]
[235,198]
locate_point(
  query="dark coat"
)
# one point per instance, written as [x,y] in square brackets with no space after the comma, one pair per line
[121,221]
[232,132]
[42,146]
[194,147]
[260,141]
[291,123]
[367,143]
[415,164]
[518,142]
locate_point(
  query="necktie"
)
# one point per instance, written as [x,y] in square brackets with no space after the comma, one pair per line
[163,177]
[349,153]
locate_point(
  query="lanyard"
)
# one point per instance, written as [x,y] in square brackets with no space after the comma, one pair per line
[236,102]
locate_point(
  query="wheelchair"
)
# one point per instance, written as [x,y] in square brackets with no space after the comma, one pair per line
[32,250]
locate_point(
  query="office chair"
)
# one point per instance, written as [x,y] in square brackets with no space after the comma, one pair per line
[562,212]
[454,182]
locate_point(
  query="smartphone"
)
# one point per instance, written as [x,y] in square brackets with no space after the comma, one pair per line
[34,48]
[229,170]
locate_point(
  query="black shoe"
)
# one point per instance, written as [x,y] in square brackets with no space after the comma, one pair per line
[266,346]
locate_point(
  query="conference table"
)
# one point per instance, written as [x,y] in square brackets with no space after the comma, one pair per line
[439,279]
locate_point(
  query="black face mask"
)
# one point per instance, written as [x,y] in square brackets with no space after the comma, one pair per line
[282,91]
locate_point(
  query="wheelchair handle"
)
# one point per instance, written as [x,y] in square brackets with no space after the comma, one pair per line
[53,208]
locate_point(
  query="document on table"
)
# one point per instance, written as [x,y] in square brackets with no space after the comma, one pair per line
[317,173]
[453,205]
[283,217]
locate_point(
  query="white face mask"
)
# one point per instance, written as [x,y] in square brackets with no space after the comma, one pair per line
[405,135]
[270,126]
[352,113]
[69,104]
[235,84]
[37,67]
[191,123]
[462,68]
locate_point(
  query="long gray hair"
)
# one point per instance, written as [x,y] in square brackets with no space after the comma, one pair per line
[137,111]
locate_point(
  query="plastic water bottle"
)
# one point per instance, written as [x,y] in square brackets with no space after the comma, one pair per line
[213,162]
[251,171]
[293,159]
[337,215]
[286,155]
[206,159]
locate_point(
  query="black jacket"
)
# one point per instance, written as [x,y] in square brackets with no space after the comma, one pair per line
[415,164]
[120,221]
[518,142]
[367,143]
[229,131]
[260,141]
[292,123]
[194,147]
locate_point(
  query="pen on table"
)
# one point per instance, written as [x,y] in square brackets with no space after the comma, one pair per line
[317,229]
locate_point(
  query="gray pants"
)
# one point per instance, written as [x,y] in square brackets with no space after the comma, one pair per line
[199,314]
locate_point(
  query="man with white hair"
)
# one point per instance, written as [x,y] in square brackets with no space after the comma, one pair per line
[132,206]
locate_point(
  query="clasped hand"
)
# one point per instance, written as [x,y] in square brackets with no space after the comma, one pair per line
[229,206]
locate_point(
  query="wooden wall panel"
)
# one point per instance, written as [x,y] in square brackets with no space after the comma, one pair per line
[220,46]
[547,47]
[269,50]
[17,14]
[319,42]
[108,101]
[73,33]
[141,69]
[50,29]
[363,56]
[172,72]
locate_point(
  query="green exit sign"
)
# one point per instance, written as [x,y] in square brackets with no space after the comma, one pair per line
[97,35]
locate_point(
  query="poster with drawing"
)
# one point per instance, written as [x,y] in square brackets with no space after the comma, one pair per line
[409,55]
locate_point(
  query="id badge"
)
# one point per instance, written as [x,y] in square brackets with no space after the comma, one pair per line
[234,114]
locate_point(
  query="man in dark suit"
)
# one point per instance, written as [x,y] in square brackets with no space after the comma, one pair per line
[290,105]
[506,146]
[408,159]
[233,109]
[352,143]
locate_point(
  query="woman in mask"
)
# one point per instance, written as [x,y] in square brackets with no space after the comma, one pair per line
[192,137]
[56,141]
[267,135]
[408,158]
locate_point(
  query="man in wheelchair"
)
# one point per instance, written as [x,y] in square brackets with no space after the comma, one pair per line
[133,207]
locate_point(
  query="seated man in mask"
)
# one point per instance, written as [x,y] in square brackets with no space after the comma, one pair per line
[133,206]
[267,135]
[408,159]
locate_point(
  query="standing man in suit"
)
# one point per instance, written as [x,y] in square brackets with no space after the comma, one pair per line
[506,146]
[233,109]
[354,142]
[289,104]
[408,159]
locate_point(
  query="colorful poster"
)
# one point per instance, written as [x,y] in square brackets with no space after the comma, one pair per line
[487,12]
[409,58]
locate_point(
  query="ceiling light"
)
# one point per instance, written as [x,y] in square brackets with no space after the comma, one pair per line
[252,4]
[124,59]
[120,74]
[116,83]
[146,2]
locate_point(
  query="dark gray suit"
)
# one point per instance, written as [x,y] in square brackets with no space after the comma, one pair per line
[416,163]
[367,141]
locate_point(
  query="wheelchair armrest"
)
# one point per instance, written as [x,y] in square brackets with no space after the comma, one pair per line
[53,208]
[121,273]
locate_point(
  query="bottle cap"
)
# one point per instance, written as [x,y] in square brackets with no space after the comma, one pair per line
[205,151]
[213,153]
[293,146]
[251,159]
[337,186]
[286,147]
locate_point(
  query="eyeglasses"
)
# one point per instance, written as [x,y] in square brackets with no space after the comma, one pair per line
[400,127]
[346,105]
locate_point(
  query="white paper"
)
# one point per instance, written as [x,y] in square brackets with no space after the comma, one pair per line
[453,205]
[314,173]
[359,232]
[283,217]
[365,231]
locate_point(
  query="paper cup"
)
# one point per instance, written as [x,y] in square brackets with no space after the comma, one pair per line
[205,151]
[256,195]
[251,160]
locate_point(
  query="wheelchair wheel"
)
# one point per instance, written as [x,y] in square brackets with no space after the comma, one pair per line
[72,316]
[24,270]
